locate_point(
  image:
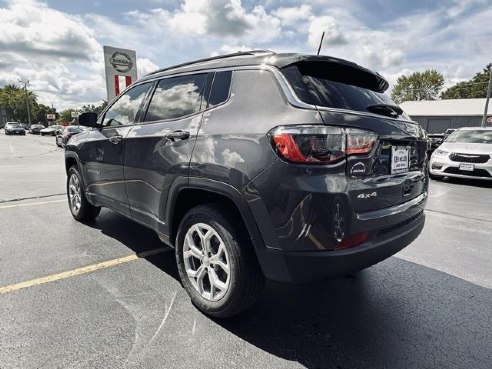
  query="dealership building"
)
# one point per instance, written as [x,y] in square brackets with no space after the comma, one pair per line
[435,116]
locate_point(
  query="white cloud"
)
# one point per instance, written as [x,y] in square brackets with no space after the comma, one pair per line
[293,16]
[61,54]
[327,24]
[33,30]
[145,66]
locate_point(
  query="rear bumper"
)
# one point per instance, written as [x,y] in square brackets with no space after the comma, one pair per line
[300,267]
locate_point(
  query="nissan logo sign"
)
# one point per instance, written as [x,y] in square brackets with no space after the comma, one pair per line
[121,62]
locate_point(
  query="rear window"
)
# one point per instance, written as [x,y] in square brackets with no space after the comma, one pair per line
[479,136]
[335,86]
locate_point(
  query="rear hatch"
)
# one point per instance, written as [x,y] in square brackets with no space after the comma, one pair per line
[347,95]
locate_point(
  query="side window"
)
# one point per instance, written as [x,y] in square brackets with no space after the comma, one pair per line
[220,88]
[125,109]
[176,97]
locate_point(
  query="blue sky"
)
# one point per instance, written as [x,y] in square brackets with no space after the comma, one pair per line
[57,44]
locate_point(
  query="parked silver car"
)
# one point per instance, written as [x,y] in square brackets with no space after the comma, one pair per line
[51,130]
[467,153]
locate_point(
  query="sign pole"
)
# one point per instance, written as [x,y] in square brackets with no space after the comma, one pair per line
[484,119]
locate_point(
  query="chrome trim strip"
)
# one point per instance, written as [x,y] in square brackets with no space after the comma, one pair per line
[386,212]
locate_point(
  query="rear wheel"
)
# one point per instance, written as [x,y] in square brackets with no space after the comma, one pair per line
[216,261]
[80,208]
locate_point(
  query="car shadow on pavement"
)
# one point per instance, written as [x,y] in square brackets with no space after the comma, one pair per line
[396,314]
[467,182]
[137,238]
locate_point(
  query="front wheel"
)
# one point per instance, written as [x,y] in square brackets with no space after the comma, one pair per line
[80,208]
[216,261]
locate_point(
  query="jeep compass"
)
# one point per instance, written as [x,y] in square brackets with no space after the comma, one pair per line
[254,166]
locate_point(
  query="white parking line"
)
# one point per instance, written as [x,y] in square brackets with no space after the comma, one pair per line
[31,204]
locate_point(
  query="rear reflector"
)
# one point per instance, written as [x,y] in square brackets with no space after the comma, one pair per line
[352,241]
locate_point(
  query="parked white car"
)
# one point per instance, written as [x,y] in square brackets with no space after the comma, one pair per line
[51,130]
[466,153]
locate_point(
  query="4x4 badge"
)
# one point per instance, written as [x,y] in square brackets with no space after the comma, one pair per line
[367,195]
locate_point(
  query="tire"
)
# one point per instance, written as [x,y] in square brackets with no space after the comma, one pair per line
[80,208]
[229,244]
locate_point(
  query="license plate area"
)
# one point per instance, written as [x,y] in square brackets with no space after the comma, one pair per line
[467,167]
[399,159]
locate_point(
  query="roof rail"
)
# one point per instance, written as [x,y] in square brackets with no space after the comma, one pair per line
[239,53]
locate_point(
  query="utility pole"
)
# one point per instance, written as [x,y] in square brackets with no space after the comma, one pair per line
[484,119]
[27,101]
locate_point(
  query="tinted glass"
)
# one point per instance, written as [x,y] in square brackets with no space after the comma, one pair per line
[125,109]
[176,97]
[471,136]
[340,94]
[220,88]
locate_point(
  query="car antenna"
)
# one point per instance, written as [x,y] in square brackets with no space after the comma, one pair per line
[321,42]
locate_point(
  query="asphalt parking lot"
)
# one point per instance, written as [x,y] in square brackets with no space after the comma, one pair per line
[107,295]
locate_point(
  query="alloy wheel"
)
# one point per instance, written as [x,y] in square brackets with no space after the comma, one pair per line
[74,193]
[206,261]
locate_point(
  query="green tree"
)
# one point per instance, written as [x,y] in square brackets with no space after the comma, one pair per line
[13,100]
[96,109]
[418,86]
[41,112]
[472,89]
[66,115]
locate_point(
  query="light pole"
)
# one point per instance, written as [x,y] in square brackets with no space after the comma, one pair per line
[484,119]
[27,101]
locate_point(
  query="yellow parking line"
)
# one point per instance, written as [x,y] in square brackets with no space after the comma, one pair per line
[83,270]
[31,204]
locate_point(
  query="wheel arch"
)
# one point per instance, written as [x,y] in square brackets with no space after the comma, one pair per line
[185,195]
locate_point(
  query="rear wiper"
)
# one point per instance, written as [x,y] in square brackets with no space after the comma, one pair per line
[385,109]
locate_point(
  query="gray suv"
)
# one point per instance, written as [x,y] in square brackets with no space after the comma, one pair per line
[254,166]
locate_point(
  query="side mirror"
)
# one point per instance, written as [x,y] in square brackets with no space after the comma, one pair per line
[88,119]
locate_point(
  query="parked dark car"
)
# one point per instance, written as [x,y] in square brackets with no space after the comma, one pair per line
[436,139]
[35,129]
[64,135]
[256,165]
[448,132]
[51,130]
[14,128]
[25,126]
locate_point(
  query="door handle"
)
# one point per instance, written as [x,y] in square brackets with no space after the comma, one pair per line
[178,135]
[115,139]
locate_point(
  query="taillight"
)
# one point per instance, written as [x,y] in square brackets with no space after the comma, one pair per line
[321,144]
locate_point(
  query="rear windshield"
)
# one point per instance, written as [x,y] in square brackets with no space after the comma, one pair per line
[13,124]
[479,136]
[340,89]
